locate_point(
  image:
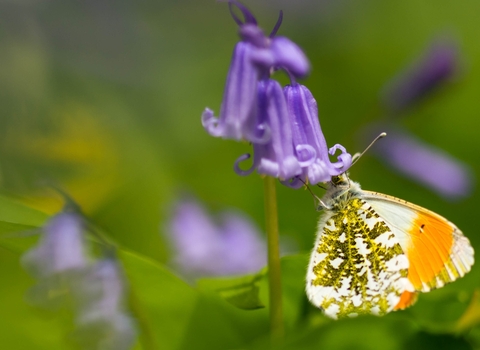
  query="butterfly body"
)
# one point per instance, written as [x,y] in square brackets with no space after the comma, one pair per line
[375,252]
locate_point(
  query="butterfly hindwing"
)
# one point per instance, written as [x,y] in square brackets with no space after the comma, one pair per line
[358,265]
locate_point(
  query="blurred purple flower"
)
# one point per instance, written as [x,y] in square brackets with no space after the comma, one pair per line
[66,275]
[426,164]
[61,248]
[275,157]
[308,140]
[253,59]
[203,248]
[58,259]
[438,65]
[101,318]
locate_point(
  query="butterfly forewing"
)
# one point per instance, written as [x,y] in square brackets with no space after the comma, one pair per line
[358,265]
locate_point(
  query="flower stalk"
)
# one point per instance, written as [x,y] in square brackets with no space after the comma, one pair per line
[274,273]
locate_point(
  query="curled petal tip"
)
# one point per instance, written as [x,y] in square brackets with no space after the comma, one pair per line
[336,147]
[210,123]
[236,166]
[247,15]
[344,159]
[263,135]
[306,154]
[277,25]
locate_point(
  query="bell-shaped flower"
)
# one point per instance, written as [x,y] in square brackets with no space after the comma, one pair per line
[58,259]
[203,247]
[67,276]
[61,247]
[254,57]
[275,157]
[101,318]
[308,140]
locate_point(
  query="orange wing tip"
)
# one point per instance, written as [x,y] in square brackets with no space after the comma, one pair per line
[406,299]
[438,253]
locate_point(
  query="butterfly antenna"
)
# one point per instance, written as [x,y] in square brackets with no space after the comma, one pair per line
[357,156]
[315,197]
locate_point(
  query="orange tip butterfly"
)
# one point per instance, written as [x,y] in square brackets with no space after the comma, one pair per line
[374,253]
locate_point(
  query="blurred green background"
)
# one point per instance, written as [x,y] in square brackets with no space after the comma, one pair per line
[103,99]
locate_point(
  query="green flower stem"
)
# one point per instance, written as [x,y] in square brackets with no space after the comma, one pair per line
[274,275]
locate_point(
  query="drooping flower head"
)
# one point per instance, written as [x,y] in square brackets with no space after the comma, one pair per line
[203,247]
[253,59]
[101,317]
[59,258]
[275,157]
[283,127]
[308,140]
[67,276]
[61,248]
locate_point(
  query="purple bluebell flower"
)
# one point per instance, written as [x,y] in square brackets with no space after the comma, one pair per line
[101,318]
[67,276]
[58,258]
[255,108]
[201,247]
[275,157]
[308,140]
[61,248]
[254,57]
[424,163]
[438,65]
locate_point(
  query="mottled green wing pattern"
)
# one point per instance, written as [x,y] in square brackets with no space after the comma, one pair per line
[357,266]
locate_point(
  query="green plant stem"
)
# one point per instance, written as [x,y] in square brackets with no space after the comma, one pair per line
[274,274]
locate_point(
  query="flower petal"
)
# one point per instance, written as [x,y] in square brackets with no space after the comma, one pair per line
[238,107]
[275,158]
[61,248]
[290,56]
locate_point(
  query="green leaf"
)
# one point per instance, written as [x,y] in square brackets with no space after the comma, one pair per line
[471,316]
[16,213]
[294,300]
[23,326]
[439,310]
[364,332]
[174,315]
[16,218]
[243,292]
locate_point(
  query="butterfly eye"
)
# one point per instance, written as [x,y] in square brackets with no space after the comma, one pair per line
[340,181]
[336,180]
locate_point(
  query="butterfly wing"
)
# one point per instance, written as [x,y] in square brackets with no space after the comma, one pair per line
[357,265]
[436,249]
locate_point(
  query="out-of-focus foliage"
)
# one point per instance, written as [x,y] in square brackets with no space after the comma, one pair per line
[103,99]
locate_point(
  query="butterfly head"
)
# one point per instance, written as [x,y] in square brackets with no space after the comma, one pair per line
[338,190]
[340,181]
